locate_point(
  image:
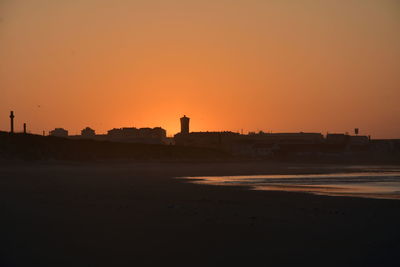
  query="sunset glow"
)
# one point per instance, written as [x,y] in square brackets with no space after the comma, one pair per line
[281,66]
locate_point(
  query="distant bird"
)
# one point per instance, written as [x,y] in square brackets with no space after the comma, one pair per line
[38,106]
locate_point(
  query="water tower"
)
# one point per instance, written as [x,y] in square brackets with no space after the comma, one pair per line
[185,125]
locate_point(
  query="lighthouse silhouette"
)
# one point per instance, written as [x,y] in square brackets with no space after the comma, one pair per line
[12,121]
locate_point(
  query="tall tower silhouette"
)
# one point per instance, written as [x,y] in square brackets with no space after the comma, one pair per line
[185,125]
[12,121]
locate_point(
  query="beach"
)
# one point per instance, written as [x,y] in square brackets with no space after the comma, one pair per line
[145,214]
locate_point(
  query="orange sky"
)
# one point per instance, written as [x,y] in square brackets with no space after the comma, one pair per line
[274,65]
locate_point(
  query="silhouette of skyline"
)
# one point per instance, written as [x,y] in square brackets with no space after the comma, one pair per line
[253,144]
[157,131]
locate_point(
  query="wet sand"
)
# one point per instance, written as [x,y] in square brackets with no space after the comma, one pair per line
[139,214]
[379,182]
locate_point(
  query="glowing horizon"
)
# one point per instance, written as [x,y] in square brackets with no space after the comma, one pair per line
[277,66]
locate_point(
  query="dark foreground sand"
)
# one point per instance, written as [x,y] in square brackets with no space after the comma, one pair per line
[136,214]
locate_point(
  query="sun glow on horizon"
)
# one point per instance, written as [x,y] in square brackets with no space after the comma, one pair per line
[253,65]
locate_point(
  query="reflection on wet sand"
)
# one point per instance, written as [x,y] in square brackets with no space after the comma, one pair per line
[377,183]
[370,191]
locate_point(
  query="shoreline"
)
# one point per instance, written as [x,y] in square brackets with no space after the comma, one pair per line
[352,181]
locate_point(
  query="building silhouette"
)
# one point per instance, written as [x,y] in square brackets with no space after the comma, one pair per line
[59,132]
[155,135]
[218,140]
[185,125]
[288,138]
[88,132]
[147,135]
[270,144]
[254,144]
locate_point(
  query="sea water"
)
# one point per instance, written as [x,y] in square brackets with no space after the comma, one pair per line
[371,182]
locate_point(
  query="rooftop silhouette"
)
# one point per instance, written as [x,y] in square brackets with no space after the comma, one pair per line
[251,145]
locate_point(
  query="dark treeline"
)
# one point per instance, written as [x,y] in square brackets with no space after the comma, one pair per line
[36,147]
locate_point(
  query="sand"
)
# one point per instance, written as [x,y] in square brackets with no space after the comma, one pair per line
[140,214]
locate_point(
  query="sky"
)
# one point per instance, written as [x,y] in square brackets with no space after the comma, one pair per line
[251,65]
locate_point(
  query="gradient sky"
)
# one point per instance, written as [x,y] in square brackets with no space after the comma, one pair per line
[272,65]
